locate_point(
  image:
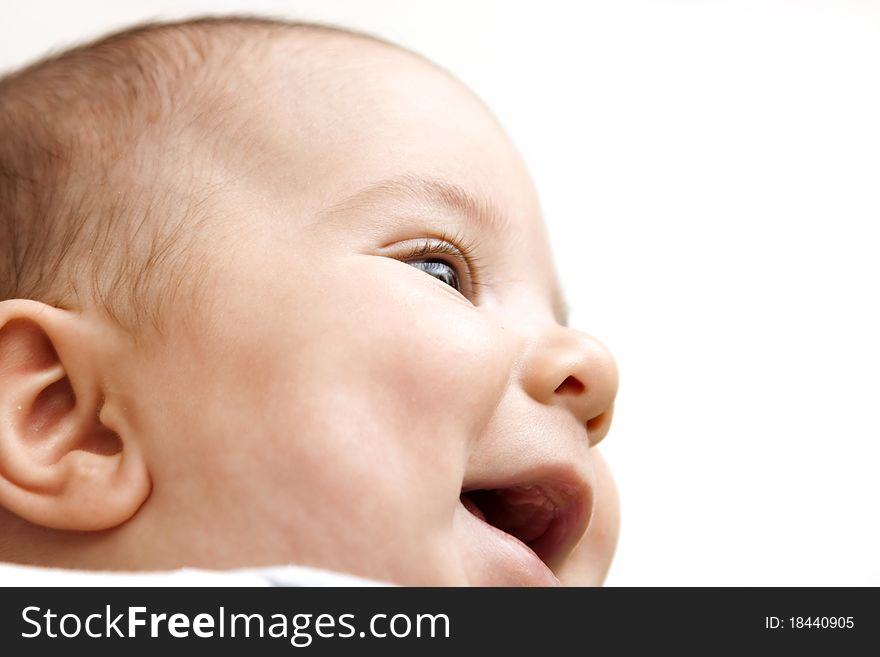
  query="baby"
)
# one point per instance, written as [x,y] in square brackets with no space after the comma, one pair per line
[280,293]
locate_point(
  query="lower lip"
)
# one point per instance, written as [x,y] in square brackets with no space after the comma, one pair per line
[500,559]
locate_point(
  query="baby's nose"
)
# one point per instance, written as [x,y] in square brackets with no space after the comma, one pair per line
[572,369]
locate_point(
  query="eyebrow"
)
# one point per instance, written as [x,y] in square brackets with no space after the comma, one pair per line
[478,209]
[441,193]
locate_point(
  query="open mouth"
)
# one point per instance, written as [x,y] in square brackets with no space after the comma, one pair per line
[542,518]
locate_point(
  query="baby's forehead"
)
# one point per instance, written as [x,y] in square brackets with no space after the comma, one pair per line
[335,114]
[335,81]
[373,122]
[313,88]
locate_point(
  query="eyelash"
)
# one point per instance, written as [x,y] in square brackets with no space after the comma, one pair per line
[457,246]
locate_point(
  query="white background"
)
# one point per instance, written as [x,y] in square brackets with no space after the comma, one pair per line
[710,173]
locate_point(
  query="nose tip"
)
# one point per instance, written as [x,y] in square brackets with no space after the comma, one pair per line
[573,369]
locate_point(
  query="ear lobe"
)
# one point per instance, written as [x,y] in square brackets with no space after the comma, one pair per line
[61,465]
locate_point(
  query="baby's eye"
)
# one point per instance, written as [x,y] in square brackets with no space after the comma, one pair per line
[439,269]
[451,260]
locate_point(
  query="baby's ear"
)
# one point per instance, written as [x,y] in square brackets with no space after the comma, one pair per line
[62,465]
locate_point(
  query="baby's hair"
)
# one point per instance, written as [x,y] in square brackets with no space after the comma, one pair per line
[89,215]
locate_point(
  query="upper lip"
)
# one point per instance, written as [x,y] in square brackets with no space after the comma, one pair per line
[549,511]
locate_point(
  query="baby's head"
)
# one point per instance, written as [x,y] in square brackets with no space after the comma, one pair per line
[282,294]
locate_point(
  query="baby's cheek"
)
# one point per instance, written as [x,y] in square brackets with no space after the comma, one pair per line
[454,369]
[439,384]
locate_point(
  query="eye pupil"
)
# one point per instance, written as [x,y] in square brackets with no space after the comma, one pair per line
[440,270]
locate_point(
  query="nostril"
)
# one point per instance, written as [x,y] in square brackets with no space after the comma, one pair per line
[571,386]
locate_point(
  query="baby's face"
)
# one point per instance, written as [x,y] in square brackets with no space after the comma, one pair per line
[385,386]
